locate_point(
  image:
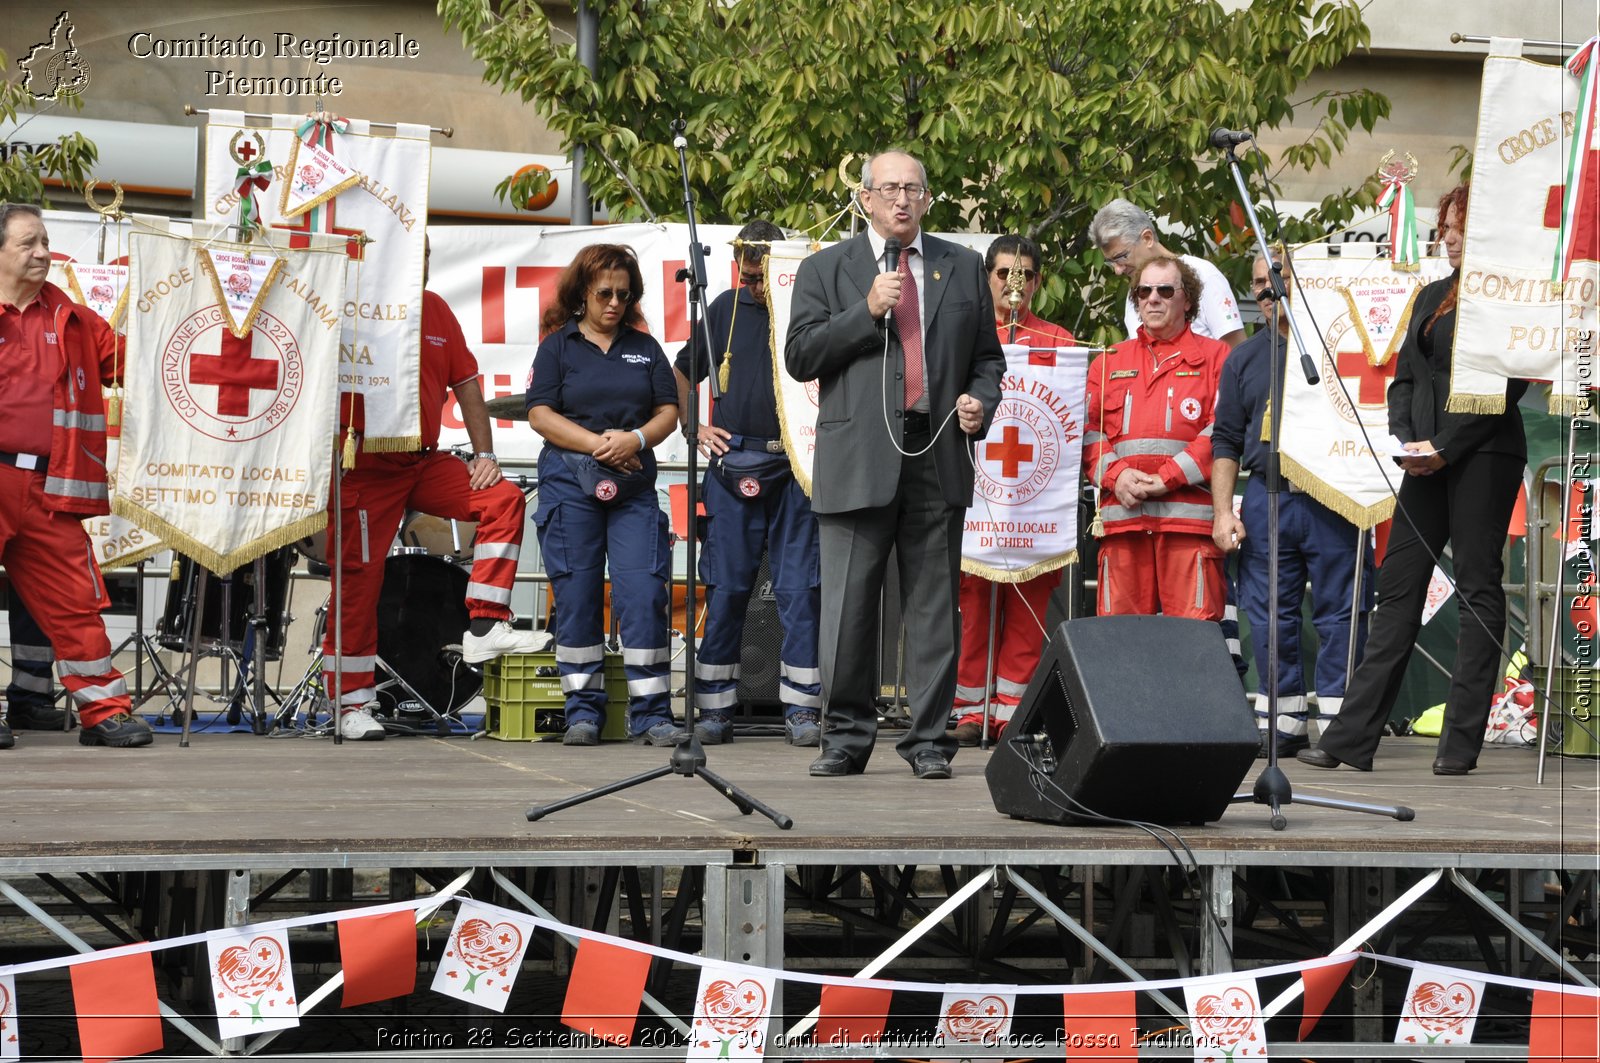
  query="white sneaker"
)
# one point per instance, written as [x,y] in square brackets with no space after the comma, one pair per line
[502,638]
[357,725]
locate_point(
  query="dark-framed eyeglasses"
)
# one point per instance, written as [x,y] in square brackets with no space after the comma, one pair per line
[1119,258]
[605,295]
[892,189]
[1145,291]
[1002,273]
[750,280]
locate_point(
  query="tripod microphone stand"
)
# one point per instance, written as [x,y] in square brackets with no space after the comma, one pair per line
[1272,787]
[688,757]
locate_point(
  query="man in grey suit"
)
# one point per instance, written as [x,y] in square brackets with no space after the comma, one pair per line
[900,353]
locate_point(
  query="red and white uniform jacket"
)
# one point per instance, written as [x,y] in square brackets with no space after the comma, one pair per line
[75,480]
[1150,408]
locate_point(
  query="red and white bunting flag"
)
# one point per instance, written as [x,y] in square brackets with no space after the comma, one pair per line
[1101,1026]
[1441,1008]
[851,1015]
[604,990]
[731,1011]
[1320,984]
[10,1033]
[252,982]
[1225,1018]
[1439,591]
[379,954]
[976,1018]
[1564,1027]
[119,1014]
[484,954]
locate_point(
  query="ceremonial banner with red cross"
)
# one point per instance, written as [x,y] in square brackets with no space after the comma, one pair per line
[381,216]
[1352,311]
[1023,521]
[228,424]
[797,402]
[1535,201]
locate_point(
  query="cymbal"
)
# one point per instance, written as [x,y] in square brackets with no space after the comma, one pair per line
[507,407]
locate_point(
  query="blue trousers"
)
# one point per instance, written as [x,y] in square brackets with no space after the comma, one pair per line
[780,521]
[31,660]
[1314,543]
[580,538]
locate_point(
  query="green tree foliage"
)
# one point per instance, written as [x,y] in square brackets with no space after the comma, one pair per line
[1030,114]
[23,172]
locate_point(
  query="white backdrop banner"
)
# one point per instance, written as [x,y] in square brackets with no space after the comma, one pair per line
[227,439]
[1515,319]
[1024,516]
[382,307]
[1358,306]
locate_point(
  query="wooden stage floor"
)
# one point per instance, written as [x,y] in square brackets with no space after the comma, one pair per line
[240,800]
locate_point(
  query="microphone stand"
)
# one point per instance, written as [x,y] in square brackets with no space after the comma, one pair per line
[1272,786]
[688,758]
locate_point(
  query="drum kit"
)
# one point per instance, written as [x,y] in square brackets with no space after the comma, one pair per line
[422,681]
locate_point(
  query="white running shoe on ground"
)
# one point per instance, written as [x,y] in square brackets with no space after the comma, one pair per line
[357,725]
[502,638]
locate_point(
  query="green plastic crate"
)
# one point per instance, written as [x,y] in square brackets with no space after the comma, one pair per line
[1576,696]
[523,705]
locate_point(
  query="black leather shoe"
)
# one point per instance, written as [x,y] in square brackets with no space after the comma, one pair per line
[1450,766]
[120,729]
[7,739]
[1317,758]
[37,718]
[930,764]
[833,763]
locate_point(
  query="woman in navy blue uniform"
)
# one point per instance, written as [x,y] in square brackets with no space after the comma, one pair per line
[601,394]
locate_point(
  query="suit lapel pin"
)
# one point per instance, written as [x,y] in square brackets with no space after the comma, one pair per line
[936,275]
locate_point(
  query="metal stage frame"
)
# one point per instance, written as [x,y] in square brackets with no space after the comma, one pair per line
[918,881]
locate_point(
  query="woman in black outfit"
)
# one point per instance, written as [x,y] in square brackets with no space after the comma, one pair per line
[1460,487]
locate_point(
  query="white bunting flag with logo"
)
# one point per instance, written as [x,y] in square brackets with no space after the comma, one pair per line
[731,1011]
[380,219]
[1225,1018]
[10,1033]
[226,439]
[252,982]
[1523,312]
[976,1018]
[315,175]
[484,954]
[798,402]
[240,279]
[1439,591]
[102,288]
[1361,304]
[1441,1008]
[1023,520]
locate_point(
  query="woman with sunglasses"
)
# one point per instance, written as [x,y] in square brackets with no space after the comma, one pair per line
[601,394]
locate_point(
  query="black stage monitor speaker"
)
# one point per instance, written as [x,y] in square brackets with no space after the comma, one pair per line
[1132,717]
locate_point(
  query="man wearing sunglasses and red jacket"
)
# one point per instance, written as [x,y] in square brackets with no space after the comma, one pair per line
[1147,449]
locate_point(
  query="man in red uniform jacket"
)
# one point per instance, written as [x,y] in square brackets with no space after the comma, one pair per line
[1147,449]
[1019,628]
[55,356]
[374,497]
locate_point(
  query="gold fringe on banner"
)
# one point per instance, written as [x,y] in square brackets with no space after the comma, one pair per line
[391,444]
[1482,404]
[209,558]
[240,329]
[1363,517]
[1018,575]
[1360,325]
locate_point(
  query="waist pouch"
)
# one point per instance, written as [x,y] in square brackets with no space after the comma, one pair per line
[750,474]
[607,485]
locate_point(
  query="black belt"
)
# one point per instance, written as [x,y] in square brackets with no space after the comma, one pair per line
[25,461]
[918,423]
[770,446]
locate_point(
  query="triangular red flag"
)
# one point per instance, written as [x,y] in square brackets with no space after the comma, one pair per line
[1100,1026]
[852,1015]
[1320,984]
[379,954]
[1565,1027]
[118,1013]
[604,991]
[1519,514]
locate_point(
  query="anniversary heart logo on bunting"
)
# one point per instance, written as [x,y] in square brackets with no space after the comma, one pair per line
[731,1014]
[1226,1019]
[971,1019]
[9,1047]
[484,955]
[252,983]
[1440,1008]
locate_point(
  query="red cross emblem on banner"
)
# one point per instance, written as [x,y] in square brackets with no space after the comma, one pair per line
[300,230]
[235,374]
[1010,452]
[1372,380]
[1585,233]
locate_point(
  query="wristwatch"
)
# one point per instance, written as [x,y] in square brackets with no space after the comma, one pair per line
[482,454]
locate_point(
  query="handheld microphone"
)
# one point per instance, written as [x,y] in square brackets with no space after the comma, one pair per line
[891,254]
[1222,139]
